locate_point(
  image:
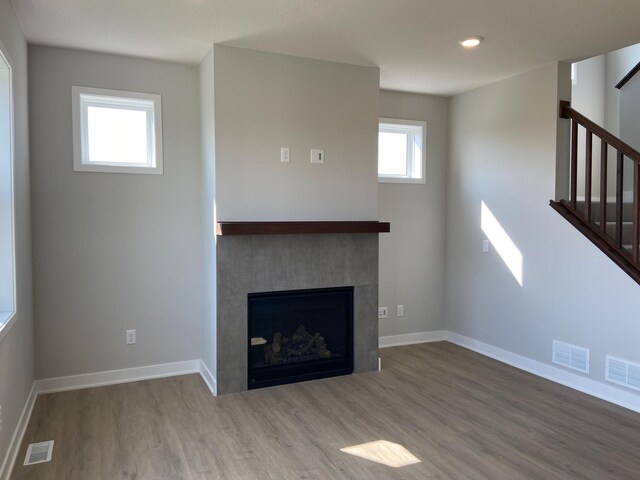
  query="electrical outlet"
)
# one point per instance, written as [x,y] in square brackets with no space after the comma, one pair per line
[382,312]
[284,154]
[485,245]
[131,337]
[400,310]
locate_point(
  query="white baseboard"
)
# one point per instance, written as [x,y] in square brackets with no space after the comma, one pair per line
[208,378]
[112,377]
[18,434]
[412,338]
[583,384]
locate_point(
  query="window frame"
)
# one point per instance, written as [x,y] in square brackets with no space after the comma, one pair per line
[122,100]
[9,317]
[396,124]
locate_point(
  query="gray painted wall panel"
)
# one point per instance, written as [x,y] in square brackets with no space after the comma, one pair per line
[503,153]
[265,101]
[208,145]
[412,256]
[114,251]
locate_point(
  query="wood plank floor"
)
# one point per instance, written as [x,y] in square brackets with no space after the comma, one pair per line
[463,415]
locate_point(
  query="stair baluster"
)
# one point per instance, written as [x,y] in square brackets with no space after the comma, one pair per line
[619,198]
[574,164]
[604,150]
[613,241]
[588,175]
[636,212]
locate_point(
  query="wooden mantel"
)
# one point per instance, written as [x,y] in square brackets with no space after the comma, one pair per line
[289,228]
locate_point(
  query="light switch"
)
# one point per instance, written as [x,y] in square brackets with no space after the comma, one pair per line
[317,156]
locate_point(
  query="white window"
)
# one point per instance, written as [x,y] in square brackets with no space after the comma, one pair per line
[7,251]
[115,131]
[401,156]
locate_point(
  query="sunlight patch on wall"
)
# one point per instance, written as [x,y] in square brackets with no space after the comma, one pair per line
[510,254]
[386,453]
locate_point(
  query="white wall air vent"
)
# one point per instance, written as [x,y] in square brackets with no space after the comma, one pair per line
[623,372]
[571,356]
[39,453]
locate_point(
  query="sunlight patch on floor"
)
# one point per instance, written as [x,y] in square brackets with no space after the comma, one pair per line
[381,451]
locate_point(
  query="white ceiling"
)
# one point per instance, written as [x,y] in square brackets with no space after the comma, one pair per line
[414,42]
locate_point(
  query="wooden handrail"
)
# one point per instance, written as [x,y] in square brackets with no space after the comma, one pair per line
[620,244]
[567,112]
[632,73]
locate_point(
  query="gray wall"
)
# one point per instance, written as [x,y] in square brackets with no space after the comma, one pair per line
[16,348]
[114,251]
[595,95]
[265,101]
[207,139]
[618,64]
[503,152]
[588,97]
[412,256]
[588,91]
[630,113]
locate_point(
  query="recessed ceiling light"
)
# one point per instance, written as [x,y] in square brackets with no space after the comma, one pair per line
[471,41]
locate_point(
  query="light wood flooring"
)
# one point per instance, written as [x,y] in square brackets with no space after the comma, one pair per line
[463,415]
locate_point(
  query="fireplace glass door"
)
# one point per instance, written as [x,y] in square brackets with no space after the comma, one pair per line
[300,335]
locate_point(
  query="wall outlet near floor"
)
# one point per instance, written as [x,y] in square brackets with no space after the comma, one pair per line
[400,310]
[131,337]
[485,246]
[382,312]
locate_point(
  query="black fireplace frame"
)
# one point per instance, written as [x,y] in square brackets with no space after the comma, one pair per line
[313,369]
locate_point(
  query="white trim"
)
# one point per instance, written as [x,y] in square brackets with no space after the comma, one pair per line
[7,321]
[122,99]
[10,320]
[18,434]
[208,378]
[410,160]
[112,377]
[412,338]
[568,379]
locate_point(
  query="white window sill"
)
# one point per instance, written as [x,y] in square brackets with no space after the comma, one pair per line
[7,320]
[401,180]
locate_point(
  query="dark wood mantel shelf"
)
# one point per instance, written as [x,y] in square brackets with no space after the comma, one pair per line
[289,228]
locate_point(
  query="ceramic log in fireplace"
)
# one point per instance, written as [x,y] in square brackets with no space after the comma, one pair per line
[299,335]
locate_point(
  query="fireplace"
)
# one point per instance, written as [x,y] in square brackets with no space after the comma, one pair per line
[299,335]
[287,261]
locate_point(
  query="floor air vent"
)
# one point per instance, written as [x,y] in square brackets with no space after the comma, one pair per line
[570,356]
[39,453]
[623,373]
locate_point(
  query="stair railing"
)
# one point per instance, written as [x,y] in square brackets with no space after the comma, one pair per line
[590,227]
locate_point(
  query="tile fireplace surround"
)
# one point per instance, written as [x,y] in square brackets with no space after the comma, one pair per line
[249,263]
